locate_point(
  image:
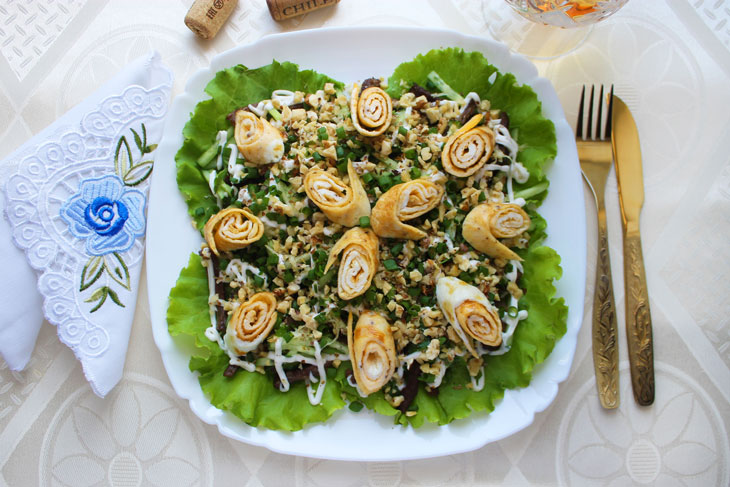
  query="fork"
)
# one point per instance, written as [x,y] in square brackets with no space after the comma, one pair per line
[595,154]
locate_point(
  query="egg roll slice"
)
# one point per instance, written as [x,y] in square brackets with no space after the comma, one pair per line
[359,262]
[404,202]
[468,149]
[372,351]
[251,323]
[232,229]
[489,221]
[341,203]
[507,220]
[371,110]
[257,140]
[469,311]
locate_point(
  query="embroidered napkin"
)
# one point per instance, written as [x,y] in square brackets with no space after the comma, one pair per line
[76,204]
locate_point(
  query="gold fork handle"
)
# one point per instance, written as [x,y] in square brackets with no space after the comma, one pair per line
[638,320]
[605,332]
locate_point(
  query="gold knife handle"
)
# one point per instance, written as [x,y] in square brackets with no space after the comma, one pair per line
[638,320]
[605,331]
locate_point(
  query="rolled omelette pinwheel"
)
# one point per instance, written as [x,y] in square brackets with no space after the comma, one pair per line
[489,221]
[257,140]
[341,203]
[371,110]
[372,351]
[469,312]
[232,229]
[359,261]
[468,149]
[404,202]
[251,323]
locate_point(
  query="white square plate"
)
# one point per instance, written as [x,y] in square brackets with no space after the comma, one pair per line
[351,54]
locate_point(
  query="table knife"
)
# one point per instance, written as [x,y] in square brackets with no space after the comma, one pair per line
[627,160]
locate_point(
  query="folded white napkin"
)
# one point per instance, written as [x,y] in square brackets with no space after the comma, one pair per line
[76,202]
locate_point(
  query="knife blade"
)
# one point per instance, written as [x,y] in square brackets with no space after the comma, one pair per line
[629,174]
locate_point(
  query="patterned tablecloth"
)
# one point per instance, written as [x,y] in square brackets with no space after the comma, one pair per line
[669,60]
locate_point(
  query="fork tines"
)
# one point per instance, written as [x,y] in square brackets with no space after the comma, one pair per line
[579,134]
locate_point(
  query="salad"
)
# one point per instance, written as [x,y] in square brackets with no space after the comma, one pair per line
[374,244]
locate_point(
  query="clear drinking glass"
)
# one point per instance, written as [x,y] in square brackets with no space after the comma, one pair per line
[566,13]
[540,39]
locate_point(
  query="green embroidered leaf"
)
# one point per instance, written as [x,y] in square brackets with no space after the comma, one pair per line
[115,297]
[138,141]
[138,173]
[122,157]
[118,270]
[92,271]
[100,295]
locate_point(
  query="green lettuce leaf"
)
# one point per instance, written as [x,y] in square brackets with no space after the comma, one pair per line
[249,395]
[231,88]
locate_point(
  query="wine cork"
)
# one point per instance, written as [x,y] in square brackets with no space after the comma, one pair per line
[206,17]
[286,9]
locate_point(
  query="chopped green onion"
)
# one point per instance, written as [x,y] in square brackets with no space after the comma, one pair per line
[355,406]
[321,318]
[415,173]
[208,156]
[288,276]
[317,156]
[341,133]
[364,221]
[322,133]
[366,178]
[384,181]
[411,154]
[342,167]
[482,197]
[466,277]
[447,90]
[391,265]
[275,114]
[402,130]
[532,190]
[397,249]
[307,211]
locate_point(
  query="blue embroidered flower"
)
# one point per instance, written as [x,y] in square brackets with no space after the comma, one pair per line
[107,214]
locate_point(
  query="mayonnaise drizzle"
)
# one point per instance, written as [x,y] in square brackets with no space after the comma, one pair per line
[221,138]
[478,384]
[234,169]
[285,97]
[261,107]
[236,269]
[316,397]
[278,367]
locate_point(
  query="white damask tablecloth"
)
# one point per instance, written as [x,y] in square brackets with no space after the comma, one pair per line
[670,60]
